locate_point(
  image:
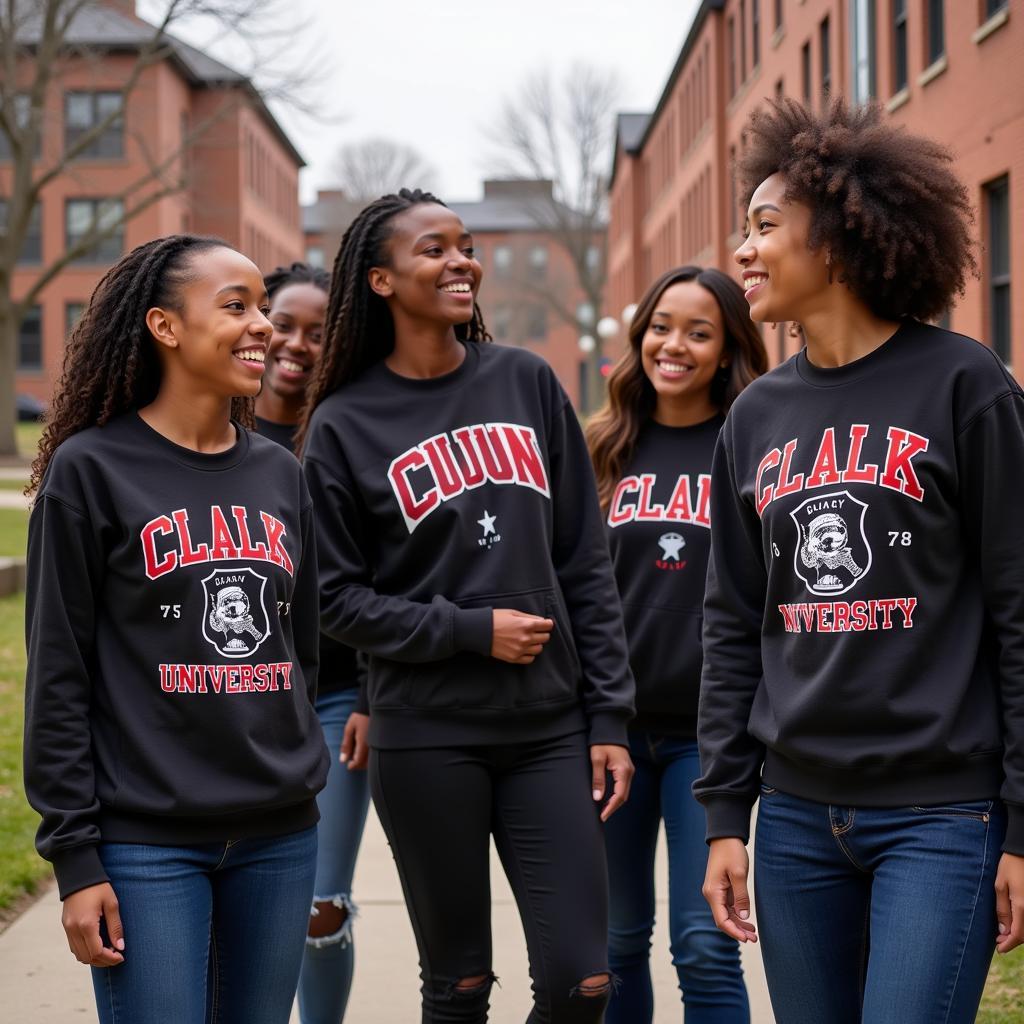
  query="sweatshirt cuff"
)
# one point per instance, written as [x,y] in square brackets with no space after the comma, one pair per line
[1014,841]
[728,817]
[473,629]
[607,727]
[78,868]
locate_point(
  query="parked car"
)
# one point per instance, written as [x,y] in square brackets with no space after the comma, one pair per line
[29,408]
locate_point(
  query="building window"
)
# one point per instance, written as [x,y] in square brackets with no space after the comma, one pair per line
[935,39]
[32,245]
[734,202]
[780,90]
[84,217]
[538,261]
[778,15]
[805,68]
[502,260]
[755,31]
[862,37]
[825,41]
[997,196]
[22,111]
[743,40]
[994,7]
[899,45]
[72,314]
[30,341]
[500,323]
[83,111]
[315,256]
[731,43]
[536,323]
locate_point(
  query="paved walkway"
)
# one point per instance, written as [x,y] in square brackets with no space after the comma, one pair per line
[41,983]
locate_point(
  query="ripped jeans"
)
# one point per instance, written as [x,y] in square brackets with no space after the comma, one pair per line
[439,808]
[329,962]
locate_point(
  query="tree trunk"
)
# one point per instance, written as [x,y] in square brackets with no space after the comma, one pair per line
[8,366]
[595,382]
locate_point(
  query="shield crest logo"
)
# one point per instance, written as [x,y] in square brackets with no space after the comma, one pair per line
[235,619]
[832,553]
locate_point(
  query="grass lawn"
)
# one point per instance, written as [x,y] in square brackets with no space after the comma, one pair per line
[14,485]
[1004,994]
[21,869]
[28,435]
[13,531]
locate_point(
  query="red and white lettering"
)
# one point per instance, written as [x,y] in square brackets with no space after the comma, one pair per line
[679,507]
[703,514]
[470,465]
[189,554]
[276,533]
[442,466]
[855,473]
[246,548]
[617,514]
[157,566]
[413,509]
[764,497]
[826,471]
[646,510]
[222,544]
[899,474]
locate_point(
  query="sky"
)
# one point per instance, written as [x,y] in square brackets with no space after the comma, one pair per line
[433,74]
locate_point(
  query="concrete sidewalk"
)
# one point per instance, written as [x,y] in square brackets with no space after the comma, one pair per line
[41,983]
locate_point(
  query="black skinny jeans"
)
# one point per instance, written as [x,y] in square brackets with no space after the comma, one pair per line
[438,808]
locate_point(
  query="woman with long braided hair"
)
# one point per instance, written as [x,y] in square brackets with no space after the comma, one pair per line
[171,745]
[462,548]
[298,306]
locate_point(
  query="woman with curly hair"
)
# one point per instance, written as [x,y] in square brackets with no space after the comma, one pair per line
[298,307]
[692,350]
[171,745]
[864,620]
[462,549]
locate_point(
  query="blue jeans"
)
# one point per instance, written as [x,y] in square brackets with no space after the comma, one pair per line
[213,932]
[706,961]
[870,915]
[329,962]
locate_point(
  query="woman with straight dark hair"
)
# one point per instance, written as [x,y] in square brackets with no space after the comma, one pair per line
[463,550]
[692,350]
[864,622]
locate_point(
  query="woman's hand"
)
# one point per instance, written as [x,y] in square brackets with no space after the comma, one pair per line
[81,919]
[1010,902]
[355,742]
[725,888]
[607,757]
[518,638]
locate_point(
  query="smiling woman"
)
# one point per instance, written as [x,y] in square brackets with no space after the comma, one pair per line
[461,547]
[171,746]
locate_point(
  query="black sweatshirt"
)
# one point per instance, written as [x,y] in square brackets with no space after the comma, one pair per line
[339,664]
[171,625]
[659,534]
[440,500]
[864,621]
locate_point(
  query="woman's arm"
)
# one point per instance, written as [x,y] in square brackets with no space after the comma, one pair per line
[733,612]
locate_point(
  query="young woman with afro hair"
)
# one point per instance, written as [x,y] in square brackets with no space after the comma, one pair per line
[864,619]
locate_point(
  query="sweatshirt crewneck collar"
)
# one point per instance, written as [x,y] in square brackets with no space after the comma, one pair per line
[207,462]
[836,376]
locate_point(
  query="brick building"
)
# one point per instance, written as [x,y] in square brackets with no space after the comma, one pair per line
[530,294]
[241,171]
[950,69]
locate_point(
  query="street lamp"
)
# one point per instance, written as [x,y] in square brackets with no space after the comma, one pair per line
[627,314]
[586,343]
[607,328]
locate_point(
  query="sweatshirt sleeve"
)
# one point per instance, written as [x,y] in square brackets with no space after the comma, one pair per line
[583,567]
[65,570]
[990,454]
[733,613]
[305,609]
[353,612]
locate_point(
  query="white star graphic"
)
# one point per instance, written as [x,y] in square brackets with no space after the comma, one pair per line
[671,544]
[487,523]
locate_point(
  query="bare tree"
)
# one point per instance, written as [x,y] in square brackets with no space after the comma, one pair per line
[373,167]
[563,131]
[41,41]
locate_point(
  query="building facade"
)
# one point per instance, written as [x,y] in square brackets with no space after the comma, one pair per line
[530,294]
[949,69]
[240,172]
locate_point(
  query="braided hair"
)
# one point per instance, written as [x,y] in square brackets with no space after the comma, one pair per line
[359,330]
[297,273]
[110,363]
